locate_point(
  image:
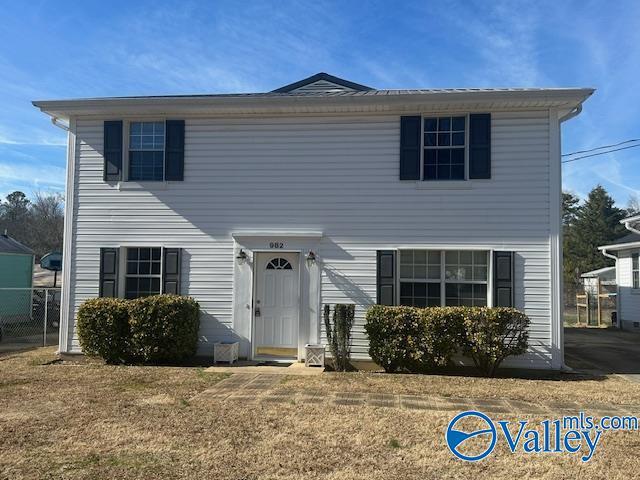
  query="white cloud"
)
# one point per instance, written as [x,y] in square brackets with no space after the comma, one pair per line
[32,137]
[40,176]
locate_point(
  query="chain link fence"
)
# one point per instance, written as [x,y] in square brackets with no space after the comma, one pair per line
[29,317]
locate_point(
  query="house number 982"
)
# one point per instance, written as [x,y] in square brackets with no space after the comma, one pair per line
[276,245]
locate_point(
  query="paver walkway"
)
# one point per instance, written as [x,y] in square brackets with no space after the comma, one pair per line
[259,388]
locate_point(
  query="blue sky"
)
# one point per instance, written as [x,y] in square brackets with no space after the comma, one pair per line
[57,49]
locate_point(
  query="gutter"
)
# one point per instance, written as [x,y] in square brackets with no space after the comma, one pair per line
[56,121]
[620,246]
[627,225]
[267,104]
[573,113]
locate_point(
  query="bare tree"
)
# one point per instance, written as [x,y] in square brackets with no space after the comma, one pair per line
[633,205]
[46,222]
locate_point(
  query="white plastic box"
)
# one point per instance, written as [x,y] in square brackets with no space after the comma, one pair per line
[314,355]
[225,352]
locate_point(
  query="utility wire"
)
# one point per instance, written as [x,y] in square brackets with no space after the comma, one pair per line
[600,153]
[600,148]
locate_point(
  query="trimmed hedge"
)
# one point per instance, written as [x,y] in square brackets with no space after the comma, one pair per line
[164,328]
[418,339]
[103,329]
[156,329]
[492,334]
[411,339]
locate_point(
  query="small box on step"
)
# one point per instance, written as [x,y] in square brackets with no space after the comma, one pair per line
[225,352]
[314,355]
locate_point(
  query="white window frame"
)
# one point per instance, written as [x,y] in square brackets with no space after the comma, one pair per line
[122,268]
[635,272]
[466,148]
[443,280]
[126,126]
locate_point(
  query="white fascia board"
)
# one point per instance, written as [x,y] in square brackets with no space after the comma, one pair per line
[225,105]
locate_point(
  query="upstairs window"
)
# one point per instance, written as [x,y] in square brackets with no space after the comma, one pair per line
[146,151]
[444,148]
[635,271]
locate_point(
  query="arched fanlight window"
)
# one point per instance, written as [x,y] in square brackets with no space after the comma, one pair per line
[279,264]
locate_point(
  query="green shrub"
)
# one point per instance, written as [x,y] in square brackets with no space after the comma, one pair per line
[160,328]
[418,339]
[339,334]
[164,328]
[441,336]
[411,339]
[489,335]
[103,329]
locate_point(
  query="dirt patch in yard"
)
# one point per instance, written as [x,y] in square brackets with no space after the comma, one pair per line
[96,421]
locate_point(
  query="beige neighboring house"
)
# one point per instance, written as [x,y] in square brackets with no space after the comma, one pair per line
[626,252]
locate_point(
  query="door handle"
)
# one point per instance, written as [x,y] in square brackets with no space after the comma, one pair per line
[257,311]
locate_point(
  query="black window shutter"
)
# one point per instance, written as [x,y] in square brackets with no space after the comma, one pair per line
[172,259]
[112,150]
[503,279]
[480,145]
[386,281]
[108,272]
[174,150]
[410,148]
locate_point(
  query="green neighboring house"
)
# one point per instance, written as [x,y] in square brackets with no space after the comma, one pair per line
[16,272]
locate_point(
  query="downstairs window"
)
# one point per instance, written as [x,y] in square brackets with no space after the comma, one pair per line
[431,278]
[143,274]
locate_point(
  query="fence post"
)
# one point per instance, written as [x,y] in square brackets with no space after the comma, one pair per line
[46,315]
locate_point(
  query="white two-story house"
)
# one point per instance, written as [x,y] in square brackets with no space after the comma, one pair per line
[266,206]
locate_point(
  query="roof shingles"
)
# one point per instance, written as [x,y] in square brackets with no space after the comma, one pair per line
[9,245]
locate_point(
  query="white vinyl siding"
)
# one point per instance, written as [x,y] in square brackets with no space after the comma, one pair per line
[334,174]
[628,297]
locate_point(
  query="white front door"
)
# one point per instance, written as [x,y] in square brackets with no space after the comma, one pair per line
[276,305]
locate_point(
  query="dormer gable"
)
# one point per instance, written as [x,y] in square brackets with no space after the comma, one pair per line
[322,83]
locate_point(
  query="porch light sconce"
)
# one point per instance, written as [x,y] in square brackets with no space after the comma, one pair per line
[311,257]
[242,256]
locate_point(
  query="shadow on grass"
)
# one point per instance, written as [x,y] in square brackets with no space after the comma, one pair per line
[502,373]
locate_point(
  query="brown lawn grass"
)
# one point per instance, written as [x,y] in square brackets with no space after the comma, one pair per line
[558,387]
[95,421]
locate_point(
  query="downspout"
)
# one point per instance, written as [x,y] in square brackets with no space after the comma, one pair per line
[618,298]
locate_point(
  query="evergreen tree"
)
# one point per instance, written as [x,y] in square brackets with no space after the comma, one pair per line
[596,223]
[15,215]
[570,208]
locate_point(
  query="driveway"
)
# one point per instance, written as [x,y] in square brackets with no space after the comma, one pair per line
[610,351]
